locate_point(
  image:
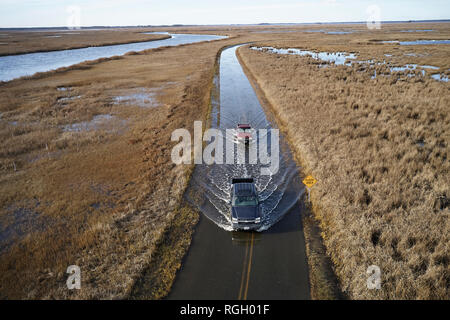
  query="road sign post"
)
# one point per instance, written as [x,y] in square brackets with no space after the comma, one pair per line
[309,181]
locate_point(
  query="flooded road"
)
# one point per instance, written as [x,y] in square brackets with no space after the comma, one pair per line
[222,264]
[17,66]
[237,103]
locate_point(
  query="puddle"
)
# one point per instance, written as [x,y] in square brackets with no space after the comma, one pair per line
[339,32]
[45,155]
[348,59]
[96,205]
[420,143]
[55,36]
[65,99]
[413,30]
[440,77]
[18,222]
[276,31]
[374,75]
[313,31]
[430,67]
[329,31]
[143,98]
[407,67]
[387,55]
[414,54]
[157,32]
[100,205]
[418,42]
[64,88]
[96,123]
[338,58]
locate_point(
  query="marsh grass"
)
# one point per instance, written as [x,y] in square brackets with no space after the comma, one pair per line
[21,42]
[379,149]
[108,193]
[107,198]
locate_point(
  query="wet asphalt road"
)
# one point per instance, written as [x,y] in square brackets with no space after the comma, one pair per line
[245,265]
[222,264]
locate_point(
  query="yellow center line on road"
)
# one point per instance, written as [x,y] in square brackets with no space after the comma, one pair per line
[249,266]
[243,291]
[243,270]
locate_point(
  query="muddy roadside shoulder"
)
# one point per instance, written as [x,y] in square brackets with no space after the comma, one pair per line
[323,281]
[157,279]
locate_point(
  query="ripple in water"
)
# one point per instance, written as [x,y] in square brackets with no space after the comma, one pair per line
[235,101]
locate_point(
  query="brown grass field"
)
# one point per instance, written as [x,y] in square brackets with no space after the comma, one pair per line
[379,149]
[103,196]
[19,42]
[86,176]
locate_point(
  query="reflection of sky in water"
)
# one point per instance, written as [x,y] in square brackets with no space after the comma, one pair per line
[348,59]
[412,30]
[16,66]
[141,98]
[439,77]
[338,58]
[418,42]
[210,185]
[329,32]
[94,124]
[339,32]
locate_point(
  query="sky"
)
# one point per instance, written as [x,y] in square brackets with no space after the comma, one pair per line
[60,13]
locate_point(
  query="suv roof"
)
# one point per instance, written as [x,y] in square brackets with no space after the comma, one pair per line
[244,189]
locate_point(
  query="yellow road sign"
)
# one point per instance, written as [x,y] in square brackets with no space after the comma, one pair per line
[309,181]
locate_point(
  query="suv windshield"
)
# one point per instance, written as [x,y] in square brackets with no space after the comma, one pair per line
[245,201]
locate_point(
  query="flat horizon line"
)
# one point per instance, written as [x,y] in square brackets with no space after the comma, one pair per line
[232,24]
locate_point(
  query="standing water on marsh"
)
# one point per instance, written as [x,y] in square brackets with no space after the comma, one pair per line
[17,66]
[234,101]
